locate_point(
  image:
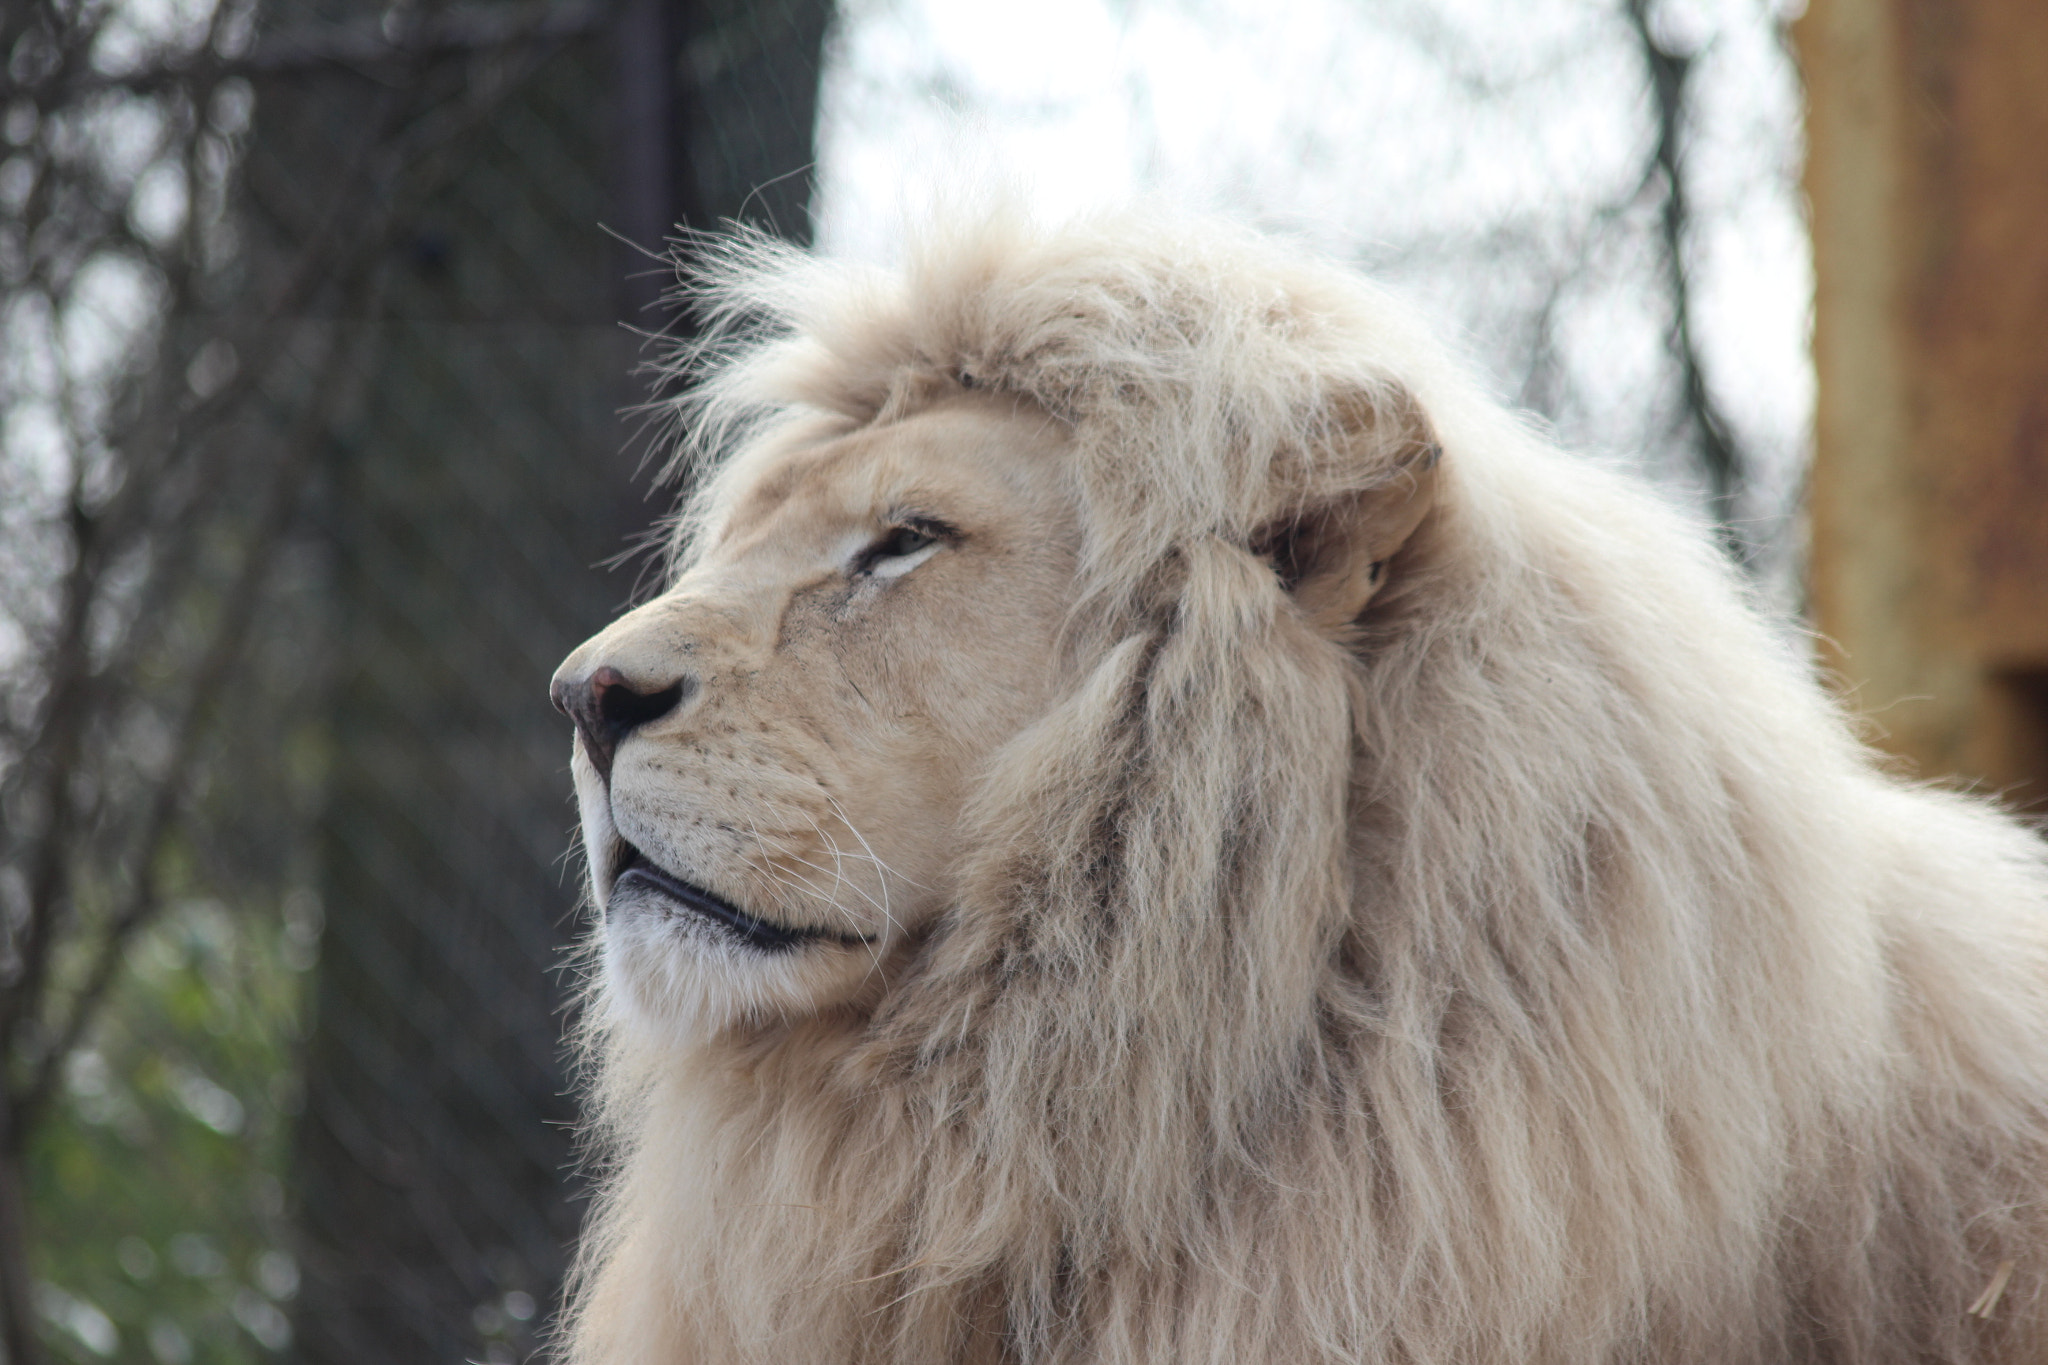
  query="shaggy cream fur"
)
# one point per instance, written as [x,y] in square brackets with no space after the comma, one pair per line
[1421,914]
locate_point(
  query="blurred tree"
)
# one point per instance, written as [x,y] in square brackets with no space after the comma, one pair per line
[1602,199]
[169,399]
[1725,468]
[142,537]
[473,492]
[1931,469]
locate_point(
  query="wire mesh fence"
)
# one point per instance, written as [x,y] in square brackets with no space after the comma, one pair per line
[466,495]
[285,897]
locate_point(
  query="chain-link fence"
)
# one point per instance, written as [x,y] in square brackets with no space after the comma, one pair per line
[287,898]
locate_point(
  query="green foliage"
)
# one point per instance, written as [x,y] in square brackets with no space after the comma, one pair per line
[157,1185]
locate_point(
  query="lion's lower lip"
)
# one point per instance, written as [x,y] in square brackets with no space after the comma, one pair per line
[639,877]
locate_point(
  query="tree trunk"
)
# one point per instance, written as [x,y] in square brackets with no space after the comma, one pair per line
[472,493]
[18,1336]
[1925,125]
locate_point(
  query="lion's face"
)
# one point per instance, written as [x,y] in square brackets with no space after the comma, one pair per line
[772,757]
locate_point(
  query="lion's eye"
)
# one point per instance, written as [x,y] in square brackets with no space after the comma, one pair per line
[898,552]
[904,540]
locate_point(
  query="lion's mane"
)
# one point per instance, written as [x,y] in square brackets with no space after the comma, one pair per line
[1542,972]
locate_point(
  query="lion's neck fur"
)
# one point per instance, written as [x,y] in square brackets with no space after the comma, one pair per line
[1545,975]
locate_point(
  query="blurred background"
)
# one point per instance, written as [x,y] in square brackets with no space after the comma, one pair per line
[319,322]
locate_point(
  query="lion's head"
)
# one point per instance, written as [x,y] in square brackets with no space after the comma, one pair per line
[778,755]
[1155,822]
[775,753]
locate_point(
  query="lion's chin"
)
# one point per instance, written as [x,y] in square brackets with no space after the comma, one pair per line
[686,962]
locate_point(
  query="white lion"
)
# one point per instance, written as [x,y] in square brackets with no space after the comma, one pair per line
[1157,824]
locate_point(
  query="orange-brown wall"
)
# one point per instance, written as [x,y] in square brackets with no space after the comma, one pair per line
[1927,169]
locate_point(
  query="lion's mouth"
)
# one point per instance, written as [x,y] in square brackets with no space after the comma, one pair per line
[641,881]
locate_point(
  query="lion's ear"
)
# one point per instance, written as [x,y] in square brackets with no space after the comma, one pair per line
[1333,555]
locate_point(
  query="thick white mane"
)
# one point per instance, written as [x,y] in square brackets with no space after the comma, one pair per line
[1539,971]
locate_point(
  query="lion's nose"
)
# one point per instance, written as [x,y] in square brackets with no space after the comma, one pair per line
[606,709]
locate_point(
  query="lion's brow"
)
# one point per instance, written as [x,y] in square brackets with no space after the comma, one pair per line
[773,486]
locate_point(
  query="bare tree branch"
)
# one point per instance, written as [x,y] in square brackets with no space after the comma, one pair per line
[1720,454]
[368,47]
[159,483]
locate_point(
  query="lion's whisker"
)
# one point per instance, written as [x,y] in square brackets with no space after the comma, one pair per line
[881,906]
[797,882]
[867,848]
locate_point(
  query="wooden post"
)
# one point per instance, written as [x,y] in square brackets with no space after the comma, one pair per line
[1927,169]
